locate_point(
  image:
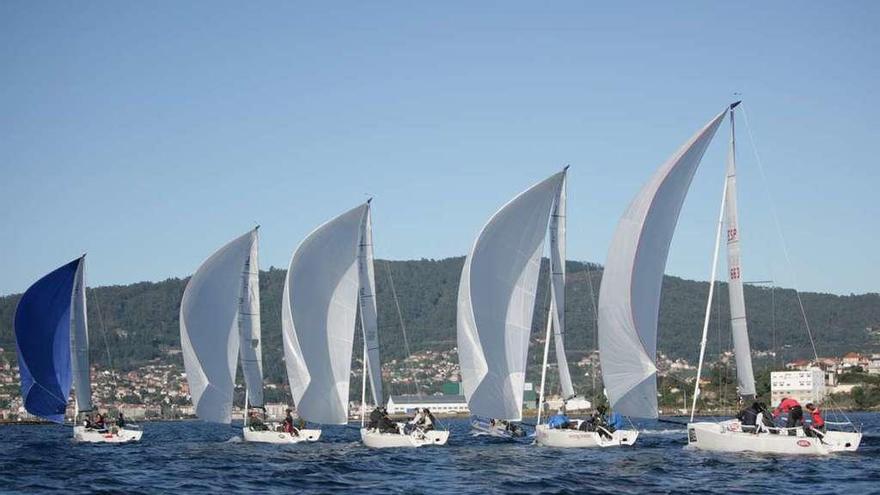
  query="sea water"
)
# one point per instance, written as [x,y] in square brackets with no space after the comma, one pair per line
[195,457]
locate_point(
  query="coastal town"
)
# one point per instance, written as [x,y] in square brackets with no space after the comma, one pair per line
[159,390]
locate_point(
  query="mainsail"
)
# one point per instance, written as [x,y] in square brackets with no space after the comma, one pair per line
[367,300]
[629,298]
[557,286]
[496,301]
[249,327]
[79,342]
[43,341]
[742,350]
[319,309]
[209,328]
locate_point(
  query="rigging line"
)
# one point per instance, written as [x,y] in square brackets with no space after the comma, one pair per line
[785,248]
[94,298]
[402,326]
[779,232]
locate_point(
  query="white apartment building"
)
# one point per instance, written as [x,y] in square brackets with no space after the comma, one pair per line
[804,386]
[438,404]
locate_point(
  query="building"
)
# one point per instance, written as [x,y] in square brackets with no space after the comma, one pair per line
[573,404]
[874,365]
[133,412]
[854,360]
[276,410]
[803,386]
[438,404]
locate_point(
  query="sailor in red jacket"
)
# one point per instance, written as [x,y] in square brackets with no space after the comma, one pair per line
[794,411]
[817,422]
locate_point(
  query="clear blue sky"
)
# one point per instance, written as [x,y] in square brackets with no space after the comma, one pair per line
[150,133]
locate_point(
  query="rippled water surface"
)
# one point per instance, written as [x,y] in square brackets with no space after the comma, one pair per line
[194,457]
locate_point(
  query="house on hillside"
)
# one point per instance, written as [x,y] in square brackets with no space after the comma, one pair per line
[853,360]
[874,365]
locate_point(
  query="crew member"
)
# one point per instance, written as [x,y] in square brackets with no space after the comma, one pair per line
[794,411]
[817,422]
[749,415]
[558,420]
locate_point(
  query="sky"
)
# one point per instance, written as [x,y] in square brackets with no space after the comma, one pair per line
[148,134]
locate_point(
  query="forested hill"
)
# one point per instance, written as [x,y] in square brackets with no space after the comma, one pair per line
[139,322]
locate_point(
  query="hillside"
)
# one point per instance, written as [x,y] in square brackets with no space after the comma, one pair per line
[140,321]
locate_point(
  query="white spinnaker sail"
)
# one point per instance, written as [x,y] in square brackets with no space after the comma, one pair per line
[209,328]
[249,327]
[629,298]
[557,286]
[319,309]
[744,374]
[367,300]
[79,341]
[496,301]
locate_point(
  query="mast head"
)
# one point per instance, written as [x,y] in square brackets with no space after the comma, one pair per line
[370,200]
[566,168]
[735,104]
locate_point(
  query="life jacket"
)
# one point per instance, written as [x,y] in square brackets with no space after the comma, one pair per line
[817,420]
[785,406]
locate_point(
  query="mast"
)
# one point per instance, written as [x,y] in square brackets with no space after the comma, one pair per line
[742,349]
[544,365]
[709,300]
[364,382]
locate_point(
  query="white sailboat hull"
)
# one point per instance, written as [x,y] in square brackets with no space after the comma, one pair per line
[479,429]
[279,437]
[114,435]
[376,440]
[567,438]
[728,436]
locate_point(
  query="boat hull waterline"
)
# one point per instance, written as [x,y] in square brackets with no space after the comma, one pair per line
[728,436]
[568,438]
[122,435]
[479,428]
[279,437]
[376,440]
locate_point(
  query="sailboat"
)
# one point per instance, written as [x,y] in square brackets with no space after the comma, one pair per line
[496,301]
[571,437]
[52,341]
[329,284]
[220,321]
[629,301]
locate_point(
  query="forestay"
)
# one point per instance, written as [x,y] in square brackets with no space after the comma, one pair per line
[629,297]
[209,328]
[319,308]
[43,339]
[496,301]
[742,350]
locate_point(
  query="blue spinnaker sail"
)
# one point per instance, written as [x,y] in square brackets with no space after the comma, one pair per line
[42,339]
